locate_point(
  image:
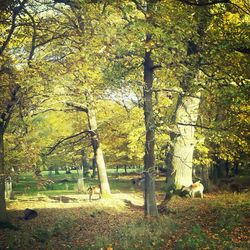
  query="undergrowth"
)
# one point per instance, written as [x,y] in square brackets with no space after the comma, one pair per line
[141,234]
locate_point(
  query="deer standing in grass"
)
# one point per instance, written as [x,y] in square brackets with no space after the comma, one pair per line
[94,190]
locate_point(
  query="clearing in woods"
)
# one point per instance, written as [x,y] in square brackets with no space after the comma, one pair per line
[219,221]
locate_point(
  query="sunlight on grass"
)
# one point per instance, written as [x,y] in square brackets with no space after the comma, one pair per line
[115,201]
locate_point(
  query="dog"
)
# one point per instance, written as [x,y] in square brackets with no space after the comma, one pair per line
[94,190]
[194,188]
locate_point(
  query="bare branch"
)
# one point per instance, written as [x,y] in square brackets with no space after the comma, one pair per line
[68,138]
[174,89]
[51,109]
[77,106]
[204,3]
[193,125]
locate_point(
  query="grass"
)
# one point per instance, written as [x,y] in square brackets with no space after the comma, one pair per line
[140,234]
[219,221]
[195,239]
[59,228]
[65,183]
[216,222]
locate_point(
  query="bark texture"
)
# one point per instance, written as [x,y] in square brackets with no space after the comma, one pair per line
[3,211]
[99,157]
[187,111]
[150,207]
[184,142]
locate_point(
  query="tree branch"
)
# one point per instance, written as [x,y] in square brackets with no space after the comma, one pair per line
[68,138]
[212,2]
[139,6]
[156,66]
[77,106]
[51,109]
[11,106]
[33,41]
[193,125]
[174,89]
[15,13]
[203,3]
[243,50]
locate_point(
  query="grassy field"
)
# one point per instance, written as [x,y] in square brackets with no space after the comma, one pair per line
[68,220]
[67,183]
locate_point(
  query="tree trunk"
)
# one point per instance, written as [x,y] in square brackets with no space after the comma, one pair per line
[187,110]
[236,168]
[3,211]
[150,207]
[80,181]
[184,141]
[101,167]
[94,168]
[57,171]
[205,177]
[220,165]
[8,188]
[85,165]
[219,170]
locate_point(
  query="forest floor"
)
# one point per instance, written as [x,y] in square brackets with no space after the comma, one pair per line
[219,221]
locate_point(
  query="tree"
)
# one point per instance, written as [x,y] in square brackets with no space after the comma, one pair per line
[9,99]
[142,13]
[9,89]
[18,21]
[83,65]
[228,18]
[187,109]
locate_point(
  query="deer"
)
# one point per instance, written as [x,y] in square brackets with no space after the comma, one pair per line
[94,190]
[194,188]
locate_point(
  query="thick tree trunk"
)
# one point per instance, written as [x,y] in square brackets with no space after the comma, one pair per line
[100,163]
[150,207]
[102,172]
[3,211]
[184,142]
[187,110]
